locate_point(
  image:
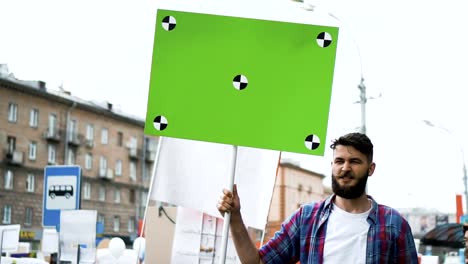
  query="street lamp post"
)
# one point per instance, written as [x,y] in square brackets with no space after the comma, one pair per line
[363,101]
[311,5]
[465,176]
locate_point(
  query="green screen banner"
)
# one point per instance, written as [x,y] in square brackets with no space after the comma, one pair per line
[241,81]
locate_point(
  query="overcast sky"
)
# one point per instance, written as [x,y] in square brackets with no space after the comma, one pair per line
[413,56]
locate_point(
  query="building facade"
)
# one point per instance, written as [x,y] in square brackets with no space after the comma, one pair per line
[422,220]
[40,127]
[294,186]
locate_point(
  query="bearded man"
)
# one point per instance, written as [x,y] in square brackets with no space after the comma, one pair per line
[347,227]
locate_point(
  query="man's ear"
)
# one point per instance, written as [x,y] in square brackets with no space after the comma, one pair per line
[371,169]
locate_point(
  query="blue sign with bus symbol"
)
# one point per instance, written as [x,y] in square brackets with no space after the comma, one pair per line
[60,190]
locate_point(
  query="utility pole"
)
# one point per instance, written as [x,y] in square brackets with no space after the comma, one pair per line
[311,5]
[362,102]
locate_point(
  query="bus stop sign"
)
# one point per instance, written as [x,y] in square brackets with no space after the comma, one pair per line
[61,192]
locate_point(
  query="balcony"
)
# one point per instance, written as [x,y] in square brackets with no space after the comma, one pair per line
[74,139]
[150,155]
[51,135]
[89,143]
[110,174]
[15,157]
[133,153]
[106,174]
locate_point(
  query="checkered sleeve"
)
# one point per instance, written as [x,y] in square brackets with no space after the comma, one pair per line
[406,248]
[284,247]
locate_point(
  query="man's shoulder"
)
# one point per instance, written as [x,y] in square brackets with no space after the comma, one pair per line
[312,208]
[390,214]
[387,209]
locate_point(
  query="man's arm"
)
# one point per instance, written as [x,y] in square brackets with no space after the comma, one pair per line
[407,252]
[246,250]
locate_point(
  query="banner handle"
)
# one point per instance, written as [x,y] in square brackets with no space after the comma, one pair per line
[227,215]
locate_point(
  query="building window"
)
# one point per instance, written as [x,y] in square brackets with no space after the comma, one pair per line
[102,193]
[71,157]
[133,170]
[117,196]
[151,144]
[88,161]
[100,218]
[89,132]
[12,112]
[104,136]
[11,144]
[89,135]
[34,117]
[119,139]
[147,174]
[133,142]
[6,214]
[32,150]
[51,150]
[102,166]
[118,168]
[131,225]
[28,216]
[144,197]
[131,196]
[30,183]
[116,223]
[72,131]
[87,191]
[52,125]
[73,135]
[8,180]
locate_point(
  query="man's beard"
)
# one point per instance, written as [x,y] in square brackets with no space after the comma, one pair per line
[349,192]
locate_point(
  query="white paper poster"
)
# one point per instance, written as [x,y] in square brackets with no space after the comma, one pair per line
[9,237]
[193,174]
[78,229]
[50,240]
[197,239]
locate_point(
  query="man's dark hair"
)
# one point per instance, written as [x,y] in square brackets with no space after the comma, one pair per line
[357,140]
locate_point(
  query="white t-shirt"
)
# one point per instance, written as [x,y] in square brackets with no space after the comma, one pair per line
[346,237]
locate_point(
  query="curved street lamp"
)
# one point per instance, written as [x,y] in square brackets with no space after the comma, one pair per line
[465,176]
[311,5]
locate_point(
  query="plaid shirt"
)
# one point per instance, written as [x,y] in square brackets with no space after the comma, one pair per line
[302,236]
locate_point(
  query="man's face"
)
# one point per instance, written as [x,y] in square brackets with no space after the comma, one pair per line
[350,170]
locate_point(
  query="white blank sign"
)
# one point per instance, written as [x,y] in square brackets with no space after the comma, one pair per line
[50,240]
[193,174]
[10,237]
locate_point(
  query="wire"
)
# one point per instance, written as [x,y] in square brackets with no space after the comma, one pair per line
[312,8]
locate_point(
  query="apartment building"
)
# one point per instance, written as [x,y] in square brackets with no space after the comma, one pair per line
[294,186]
[41,127]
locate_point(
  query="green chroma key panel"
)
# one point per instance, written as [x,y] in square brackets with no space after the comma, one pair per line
[240,81]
